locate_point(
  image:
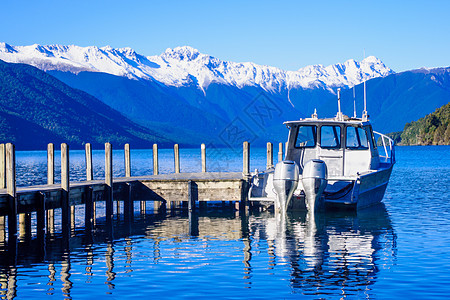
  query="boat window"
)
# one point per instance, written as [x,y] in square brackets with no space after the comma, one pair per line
[362,135]
[356,138]
[306,136]
[330,137]
[371,137]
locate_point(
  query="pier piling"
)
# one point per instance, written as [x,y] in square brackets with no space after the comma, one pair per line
[108,181]
[155,160]
[65,186]
[2,166]
[50,176]
[50,164]
[269,155]
[11,188]
[176,153]
[40,214]
[127,160]
[50,221]
[88,208]
[88,154]
[203,150]
[246,159]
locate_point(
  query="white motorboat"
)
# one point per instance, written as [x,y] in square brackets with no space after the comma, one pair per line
[328,162]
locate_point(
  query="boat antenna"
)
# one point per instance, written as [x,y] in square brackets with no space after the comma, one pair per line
[339,114]
[354,103]
[365,116]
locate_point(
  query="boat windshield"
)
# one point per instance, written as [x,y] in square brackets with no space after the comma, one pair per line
[356,138]
[306,136]
[330,136]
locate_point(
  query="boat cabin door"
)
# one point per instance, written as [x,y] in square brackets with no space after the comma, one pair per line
[330,148]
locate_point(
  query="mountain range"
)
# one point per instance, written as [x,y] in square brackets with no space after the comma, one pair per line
[190,97]
[186,66]
[36,109]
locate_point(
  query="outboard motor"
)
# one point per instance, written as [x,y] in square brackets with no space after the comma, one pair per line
[285,181]
[314,182]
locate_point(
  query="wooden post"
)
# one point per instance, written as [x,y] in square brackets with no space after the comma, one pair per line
[246,159]
[118,208]
[2,229]
[25,225]
[11,188]
[128,207]
[155,159]
[50,180]
[269,155]
[2,166]
[10,170]
[280,152]
[176,153]
[108,180]
[50,164]
[127,172]
[203,149]
[65,167]
[89,170]
[50,221]
[156,206]
[94,210]
[127,160]
[65,207]
[191,198]
[40,223]
[40,215]
[143,207]
[88,208]
[72,217]
[193,223]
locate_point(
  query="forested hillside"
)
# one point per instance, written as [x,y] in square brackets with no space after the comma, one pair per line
[36,109]
[433,129]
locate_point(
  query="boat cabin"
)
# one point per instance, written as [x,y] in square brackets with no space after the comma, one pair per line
[347,146]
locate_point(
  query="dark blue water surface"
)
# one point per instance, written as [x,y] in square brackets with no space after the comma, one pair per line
[397,250]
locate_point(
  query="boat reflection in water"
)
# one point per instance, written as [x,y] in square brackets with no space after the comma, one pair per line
[331,253]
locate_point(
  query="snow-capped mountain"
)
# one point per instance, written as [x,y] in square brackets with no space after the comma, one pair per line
[193,98]
[186,66]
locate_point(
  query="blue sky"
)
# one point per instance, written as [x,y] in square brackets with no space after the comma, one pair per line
[286,34]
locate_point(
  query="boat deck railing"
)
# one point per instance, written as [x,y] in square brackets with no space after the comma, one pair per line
[388,146]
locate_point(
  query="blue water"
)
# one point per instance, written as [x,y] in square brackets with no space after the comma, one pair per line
[398,250]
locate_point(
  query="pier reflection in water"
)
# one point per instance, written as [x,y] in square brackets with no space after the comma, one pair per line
[210,252]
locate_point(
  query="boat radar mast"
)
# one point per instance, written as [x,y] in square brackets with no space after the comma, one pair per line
[339,115]
[365,116]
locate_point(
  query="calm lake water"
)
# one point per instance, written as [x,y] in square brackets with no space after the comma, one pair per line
[400,249]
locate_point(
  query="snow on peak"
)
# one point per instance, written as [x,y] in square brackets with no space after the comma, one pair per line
[185,66]
[6,48]
[371,59]
[184,53]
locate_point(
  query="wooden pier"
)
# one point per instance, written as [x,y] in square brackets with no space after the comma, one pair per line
[166,191]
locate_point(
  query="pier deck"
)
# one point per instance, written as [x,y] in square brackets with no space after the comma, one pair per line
[166,191]
[176,187]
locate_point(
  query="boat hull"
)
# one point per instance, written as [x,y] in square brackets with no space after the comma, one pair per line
[368,189]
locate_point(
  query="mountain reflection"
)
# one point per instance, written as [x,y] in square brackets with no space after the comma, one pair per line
[329,251]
